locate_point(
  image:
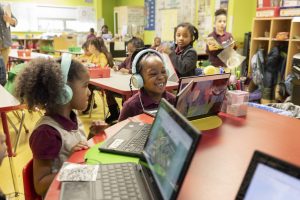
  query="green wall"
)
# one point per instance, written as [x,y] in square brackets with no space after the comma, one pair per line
[130,2]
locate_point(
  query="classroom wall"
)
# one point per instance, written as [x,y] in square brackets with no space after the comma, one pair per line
[242,14]
[56,2]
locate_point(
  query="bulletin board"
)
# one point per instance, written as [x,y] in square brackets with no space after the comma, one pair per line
[169,13]
[41,17]
[169,23]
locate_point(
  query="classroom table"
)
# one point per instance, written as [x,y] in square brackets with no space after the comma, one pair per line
[119,83]
[224,153]
[61,51]
[13,55]
[10,103]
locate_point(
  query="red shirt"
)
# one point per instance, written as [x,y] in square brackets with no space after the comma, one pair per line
[133,107]
[45,141]
[213,55]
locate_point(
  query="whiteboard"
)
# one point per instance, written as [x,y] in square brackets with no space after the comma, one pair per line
[40,17]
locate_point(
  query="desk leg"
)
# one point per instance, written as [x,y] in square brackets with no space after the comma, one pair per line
[14,178]
[9,151]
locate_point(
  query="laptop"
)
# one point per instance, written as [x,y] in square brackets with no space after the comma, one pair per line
[204,98]
[168,154]
[268,177]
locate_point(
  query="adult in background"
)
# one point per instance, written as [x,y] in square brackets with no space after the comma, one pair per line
[7,19]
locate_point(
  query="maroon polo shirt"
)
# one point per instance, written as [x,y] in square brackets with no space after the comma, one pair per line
[126,64]
[45,141]
[133,107]
[213,55]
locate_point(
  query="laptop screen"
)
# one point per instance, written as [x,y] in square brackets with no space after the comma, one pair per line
[169,149]
[270,178]
[204,98]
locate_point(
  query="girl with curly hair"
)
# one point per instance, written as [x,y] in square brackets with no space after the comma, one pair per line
[58,87]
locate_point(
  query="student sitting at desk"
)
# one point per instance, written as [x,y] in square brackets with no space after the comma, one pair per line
[101,57]
[133,44]
[184,56]
[125,67]
[3,154]
[58,88]
[149,74]
[156,43]
[86,55]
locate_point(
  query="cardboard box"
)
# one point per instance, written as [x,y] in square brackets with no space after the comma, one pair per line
[290,11]
[290,3]
[267,12]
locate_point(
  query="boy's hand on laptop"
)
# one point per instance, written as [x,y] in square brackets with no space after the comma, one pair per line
[80,146]
[97,127]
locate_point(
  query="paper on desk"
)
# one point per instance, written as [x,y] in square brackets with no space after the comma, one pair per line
[119,46]
[77,172]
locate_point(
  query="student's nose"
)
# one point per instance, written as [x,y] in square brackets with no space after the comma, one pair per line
[89,92]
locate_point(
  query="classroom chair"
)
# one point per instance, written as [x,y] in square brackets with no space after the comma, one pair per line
[29,191]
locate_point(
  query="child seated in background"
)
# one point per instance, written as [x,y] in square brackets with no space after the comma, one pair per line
[133,44]
[150,66]
[156,43]
[3,154]
[86,55]
[184,57]
[125,67]
[100,57]
[58,89]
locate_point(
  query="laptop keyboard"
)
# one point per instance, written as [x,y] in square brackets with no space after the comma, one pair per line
[136,145]
[118,181]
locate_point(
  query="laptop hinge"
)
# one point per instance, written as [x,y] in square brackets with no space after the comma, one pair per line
[149,182]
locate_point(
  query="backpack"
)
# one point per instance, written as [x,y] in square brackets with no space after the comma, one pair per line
[257,65]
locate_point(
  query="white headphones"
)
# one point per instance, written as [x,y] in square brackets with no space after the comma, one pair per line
[136,78]
[66,94]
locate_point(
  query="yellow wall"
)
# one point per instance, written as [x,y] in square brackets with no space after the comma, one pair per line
[56,2]
[242,13]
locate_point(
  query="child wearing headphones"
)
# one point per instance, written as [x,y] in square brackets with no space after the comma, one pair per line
[184,57]
[150,76]
[133,44]
[221,36]
[58,88]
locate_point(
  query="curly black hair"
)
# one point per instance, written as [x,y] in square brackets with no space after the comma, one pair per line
[41,81]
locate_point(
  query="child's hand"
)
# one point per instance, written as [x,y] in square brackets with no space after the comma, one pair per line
[115,68]
[80,146]
[164,49]
[124,71]
[97,127]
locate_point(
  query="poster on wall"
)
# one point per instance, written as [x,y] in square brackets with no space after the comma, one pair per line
[150,15]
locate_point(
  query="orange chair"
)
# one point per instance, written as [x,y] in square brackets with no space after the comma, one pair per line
[29,191]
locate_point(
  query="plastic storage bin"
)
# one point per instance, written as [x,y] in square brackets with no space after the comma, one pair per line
[237,102]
